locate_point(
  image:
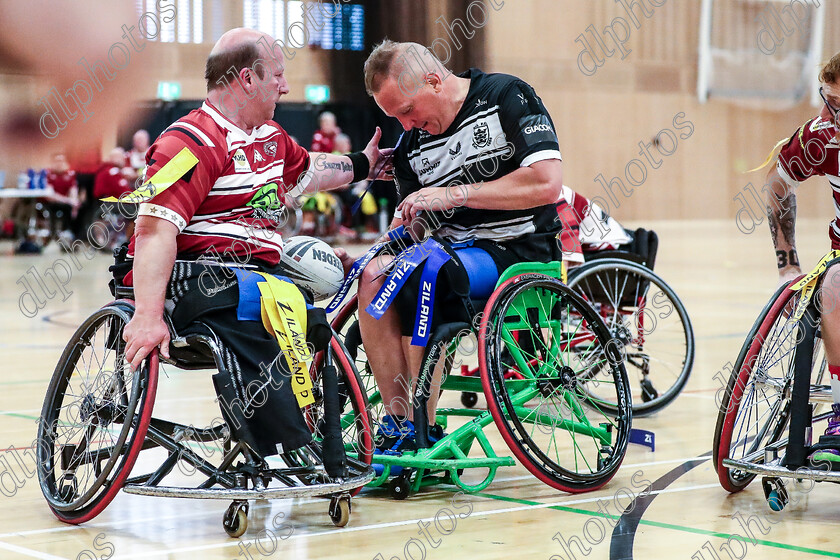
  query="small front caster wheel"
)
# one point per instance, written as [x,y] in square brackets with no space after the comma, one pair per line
[775,493]
[235,520]
[68,490]
[775,502]
[340,510]
[400,488]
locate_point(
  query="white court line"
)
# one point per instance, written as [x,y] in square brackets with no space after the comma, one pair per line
[30,553]
[396,524]
[180,516]
[117,523]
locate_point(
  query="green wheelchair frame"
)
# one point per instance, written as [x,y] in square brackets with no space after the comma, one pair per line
[532,331]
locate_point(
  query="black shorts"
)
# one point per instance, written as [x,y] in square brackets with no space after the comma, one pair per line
[255,392]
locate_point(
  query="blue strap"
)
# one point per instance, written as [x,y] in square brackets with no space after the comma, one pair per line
[643,437]
[359,266]
[426,298]
[249,307]
[404,265]
[354,273]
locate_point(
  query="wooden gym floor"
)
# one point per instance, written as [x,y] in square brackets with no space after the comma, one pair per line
[722,275]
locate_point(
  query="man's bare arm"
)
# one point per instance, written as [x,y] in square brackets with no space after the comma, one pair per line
[154,256]
[527,187]
[781,215]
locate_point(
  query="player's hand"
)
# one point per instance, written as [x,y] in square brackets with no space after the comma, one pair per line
[142,335]
[381,161]
[428,199]
[346,260]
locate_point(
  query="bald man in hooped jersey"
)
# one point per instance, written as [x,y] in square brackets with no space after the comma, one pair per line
[218,178]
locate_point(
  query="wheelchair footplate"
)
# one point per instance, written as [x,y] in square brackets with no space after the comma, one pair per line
[444,462]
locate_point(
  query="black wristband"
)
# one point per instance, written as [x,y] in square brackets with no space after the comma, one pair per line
[361,166]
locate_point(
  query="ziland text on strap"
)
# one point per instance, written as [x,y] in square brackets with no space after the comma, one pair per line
[426,297]
[809,282]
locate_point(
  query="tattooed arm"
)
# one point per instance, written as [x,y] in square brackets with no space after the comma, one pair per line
[781,214]
[333,171]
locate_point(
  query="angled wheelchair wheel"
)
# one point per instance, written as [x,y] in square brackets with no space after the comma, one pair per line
[355,419]
[645,315]
[755,408]
[95,417]
[547,413]
[346,326]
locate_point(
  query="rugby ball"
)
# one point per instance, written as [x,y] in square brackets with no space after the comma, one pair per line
[312,265]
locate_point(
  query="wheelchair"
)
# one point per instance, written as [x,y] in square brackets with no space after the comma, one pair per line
[97,427]
[775,398]
[643,314]
[538,344]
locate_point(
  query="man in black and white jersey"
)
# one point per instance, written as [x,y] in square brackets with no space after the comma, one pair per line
[479,166]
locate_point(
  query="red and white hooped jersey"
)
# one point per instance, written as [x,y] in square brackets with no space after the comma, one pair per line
[586,227]
[231,202]
[813,150]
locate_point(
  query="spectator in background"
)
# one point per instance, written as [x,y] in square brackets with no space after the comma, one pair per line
[137,154]
[110,180]
[63,204]
[85,160]
[324,138]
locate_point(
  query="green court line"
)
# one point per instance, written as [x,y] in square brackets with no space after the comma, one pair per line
[27,416]
[662,525]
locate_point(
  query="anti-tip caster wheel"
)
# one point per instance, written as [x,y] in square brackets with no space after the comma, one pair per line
[775,493]
[400,488]
[648,391]
[469,399]
[235,520]
[340,510]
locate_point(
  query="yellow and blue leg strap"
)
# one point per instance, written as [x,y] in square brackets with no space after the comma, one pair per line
[282,311]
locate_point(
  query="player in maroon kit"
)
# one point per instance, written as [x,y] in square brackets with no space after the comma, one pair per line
[63,204]
[812,150]
[324,138]
[217,178]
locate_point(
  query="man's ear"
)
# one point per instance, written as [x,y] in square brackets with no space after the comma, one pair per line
[433,79]
[245,77]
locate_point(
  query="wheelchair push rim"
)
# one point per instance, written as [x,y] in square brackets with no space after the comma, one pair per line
[102,426]
[558,431]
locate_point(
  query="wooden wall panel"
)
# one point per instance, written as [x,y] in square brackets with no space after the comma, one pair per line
[602,118]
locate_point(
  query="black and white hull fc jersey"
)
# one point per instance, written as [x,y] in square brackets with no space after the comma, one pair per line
[502,125]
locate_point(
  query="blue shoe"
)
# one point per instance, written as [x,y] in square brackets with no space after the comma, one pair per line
[436,433]
[393,438]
